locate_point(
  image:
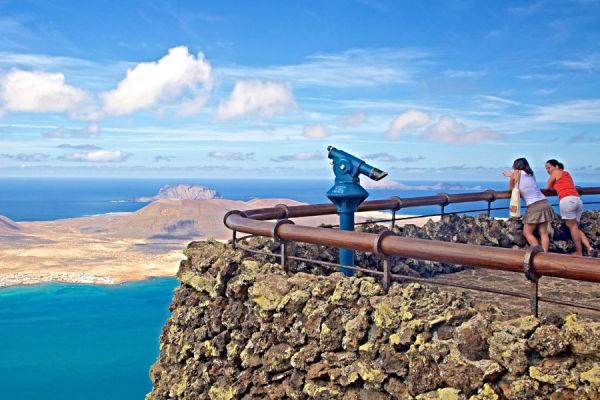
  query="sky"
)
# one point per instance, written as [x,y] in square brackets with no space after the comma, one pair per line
[431,90]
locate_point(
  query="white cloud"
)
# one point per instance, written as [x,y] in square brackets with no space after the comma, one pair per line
[39,92]
[383,157]
[231,155]
[40,61]
[409,121]
[265,99]
[307,156]
[463,74]
[93,129]
[194,105]
[387,157]
[351,68]
[579,111]
[588,64]
[22,157]
[584,137]
[317,131]
[177,74]
[100,156]
[355,119]
[448,130]
[501,100]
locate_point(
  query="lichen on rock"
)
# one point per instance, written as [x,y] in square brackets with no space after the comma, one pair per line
[241,328]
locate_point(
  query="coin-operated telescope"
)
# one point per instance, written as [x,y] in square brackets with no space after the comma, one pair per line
[347,194]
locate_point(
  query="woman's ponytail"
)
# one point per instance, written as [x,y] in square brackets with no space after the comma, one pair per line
[555,163]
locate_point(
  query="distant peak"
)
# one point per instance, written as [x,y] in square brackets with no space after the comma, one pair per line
[183,192]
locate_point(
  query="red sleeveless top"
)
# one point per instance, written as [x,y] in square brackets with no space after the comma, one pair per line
[564,186]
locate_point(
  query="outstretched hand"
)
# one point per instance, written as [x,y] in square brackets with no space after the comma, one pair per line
[508,174]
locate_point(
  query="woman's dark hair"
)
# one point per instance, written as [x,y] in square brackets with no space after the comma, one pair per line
[522,165]
[555,163]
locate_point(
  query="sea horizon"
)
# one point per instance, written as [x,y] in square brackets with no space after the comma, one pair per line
[42,199]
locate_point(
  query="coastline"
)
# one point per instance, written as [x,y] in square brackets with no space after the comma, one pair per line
[113,249]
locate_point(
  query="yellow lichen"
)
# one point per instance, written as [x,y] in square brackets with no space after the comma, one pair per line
[538,375]
[367,347]
[491,370]
[220,393]
[591,376]
[212,350]
[313,390]
[419,341]
[394,339]
[264,295]
[368,287]
[385,316]
[487,393]
[342,289]
[370,374]
[201,283]
[447,393]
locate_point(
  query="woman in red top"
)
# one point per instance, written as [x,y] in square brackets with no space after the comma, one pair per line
[570,203]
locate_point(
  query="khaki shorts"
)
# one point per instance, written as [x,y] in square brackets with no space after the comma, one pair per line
[571,207]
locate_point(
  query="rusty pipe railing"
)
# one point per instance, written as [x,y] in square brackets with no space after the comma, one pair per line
[530,261]
[545,264]
[394,203]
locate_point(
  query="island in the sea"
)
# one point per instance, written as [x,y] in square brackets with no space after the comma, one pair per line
[110,249]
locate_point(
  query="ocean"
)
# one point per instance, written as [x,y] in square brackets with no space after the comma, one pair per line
[34,199]
[60,341]
[71,342]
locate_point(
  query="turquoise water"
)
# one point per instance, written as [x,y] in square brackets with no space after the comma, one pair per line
[98,342]
[61,341]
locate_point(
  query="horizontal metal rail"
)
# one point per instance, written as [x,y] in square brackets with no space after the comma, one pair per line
[394,203]
[546,264]
[431,281]
[529,261]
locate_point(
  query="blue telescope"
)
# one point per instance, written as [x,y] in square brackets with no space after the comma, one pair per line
[347,194]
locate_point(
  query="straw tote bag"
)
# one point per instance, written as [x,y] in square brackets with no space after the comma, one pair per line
[515,198]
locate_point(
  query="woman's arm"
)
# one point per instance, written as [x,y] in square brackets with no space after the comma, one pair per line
[511,181]
[552,179]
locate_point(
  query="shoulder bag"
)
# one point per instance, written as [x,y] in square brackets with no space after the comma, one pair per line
[515,198]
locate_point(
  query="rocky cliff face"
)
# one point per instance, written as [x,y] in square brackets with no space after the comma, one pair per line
[242,329]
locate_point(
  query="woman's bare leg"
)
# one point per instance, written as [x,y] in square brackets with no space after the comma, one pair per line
[528,233]
[575,235]
[585,242]
[544,237]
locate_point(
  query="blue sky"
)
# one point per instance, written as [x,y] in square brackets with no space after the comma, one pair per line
[440,90]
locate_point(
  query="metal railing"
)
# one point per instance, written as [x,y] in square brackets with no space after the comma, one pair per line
[533,262]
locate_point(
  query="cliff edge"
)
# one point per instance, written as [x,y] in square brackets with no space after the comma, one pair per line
[243,329]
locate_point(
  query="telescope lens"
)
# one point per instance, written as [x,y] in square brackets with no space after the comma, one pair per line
[377,174]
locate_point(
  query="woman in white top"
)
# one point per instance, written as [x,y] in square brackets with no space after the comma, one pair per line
[539,211]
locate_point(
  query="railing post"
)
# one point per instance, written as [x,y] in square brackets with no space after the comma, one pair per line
[490,201]
[234,239]
[281,242]
[386,280]
[445,203]
[393,218]
[284,264]
[533,277]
